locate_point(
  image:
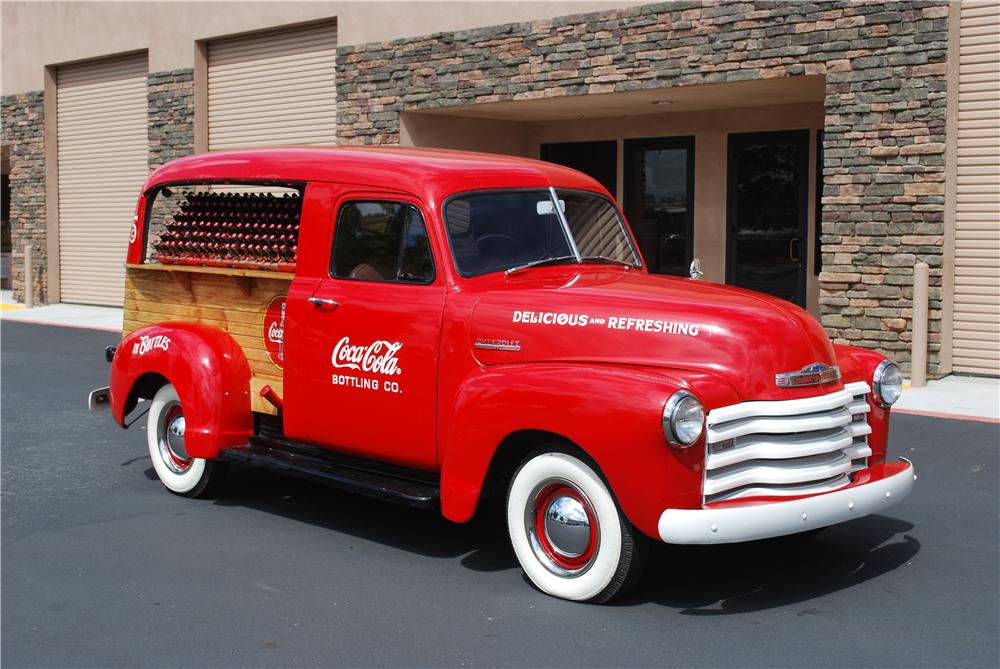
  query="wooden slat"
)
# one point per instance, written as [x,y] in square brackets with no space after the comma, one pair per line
[213,298]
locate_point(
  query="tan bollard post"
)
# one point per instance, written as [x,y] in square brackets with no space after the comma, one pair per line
[29,279]
[918,342]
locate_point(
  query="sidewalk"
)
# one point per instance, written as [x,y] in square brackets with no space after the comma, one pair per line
[66,315]
[951,397]
[970,397]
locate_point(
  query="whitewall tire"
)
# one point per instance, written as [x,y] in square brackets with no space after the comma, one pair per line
[567,531]
[180,473]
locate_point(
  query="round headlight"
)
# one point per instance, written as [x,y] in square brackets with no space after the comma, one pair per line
[683,419]
[887,382]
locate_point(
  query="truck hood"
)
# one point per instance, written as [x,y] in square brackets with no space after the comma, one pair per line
[609,315]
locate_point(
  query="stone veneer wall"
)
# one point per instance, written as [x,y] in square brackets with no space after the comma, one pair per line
[23,123]
[171,115]
[884,63]
[171,127]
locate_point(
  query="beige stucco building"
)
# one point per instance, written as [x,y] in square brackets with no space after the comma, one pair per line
[816,152]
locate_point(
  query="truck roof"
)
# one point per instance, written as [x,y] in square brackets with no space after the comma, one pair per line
[411,169]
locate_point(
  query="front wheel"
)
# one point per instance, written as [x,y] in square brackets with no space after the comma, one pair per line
[567,531]
[179,472]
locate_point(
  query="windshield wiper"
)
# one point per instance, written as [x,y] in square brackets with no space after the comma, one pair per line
[605,260]
[541,263]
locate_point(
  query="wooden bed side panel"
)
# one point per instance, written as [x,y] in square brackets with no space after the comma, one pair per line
[230,302]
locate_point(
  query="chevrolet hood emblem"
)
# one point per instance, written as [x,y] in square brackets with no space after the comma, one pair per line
[810,375]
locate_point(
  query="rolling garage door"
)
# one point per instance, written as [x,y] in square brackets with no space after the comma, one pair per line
[273,88]
[976,337]
[103,152]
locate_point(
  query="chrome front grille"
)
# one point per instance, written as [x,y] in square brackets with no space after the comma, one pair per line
[787,447]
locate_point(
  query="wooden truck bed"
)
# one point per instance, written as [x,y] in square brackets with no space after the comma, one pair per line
[230,299]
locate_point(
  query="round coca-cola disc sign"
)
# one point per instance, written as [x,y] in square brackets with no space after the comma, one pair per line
[274,330]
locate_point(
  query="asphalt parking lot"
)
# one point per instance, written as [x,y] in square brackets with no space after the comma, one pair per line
[101,567]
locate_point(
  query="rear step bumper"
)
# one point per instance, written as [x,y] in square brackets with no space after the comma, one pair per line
[332,469]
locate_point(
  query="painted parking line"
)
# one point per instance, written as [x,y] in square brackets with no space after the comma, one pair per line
[940,414]
[78,326]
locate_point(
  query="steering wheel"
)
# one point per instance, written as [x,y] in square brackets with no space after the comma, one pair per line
[495,235]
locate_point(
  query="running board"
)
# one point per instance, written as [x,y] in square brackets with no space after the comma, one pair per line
[386,482]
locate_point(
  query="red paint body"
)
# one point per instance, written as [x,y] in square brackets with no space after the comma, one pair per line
[209,371]
[601,388]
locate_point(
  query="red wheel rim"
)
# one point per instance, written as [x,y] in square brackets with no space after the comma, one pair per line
[544,501]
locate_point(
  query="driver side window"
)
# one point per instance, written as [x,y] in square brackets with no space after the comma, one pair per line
[381,241]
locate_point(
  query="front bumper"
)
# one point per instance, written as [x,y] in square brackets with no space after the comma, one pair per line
[872,490]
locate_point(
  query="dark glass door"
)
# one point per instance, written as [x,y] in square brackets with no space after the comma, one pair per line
[767,213]
[596,159]
[659,201]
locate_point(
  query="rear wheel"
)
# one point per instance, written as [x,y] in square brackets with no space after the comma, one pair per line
[179,472]
[567,531]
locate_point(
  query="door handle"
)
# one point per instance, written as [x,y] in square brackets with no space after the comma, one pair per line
[791,250]
[324,301]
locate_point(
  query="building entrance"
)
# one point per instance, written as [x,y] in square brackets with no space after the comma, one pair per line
[767,213]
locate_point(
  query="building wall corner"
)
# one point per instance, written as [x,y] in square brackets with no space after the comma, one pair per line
[23,121]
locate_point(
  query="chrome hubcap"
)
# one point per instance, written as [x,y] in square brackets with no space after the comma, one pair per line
[175,437]
[567,526]
[171,440]
[562,528]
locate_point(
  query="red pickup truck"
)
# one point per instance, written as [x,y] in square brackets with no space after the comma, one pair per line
[434,327]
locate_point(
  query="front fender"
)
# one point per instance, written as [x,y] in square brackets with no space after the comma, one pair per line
[612,413]
[208,369]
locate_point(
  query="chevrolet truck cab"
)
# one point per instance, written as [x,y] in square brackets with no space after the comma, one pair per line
[435,327]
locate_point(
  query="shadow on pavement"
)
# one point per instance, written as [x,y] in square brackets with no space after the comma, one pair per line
[417,531]
[696,580]
[760,575]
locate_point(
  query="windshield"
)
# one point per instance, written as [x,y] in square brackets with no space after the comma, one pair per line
[504,230]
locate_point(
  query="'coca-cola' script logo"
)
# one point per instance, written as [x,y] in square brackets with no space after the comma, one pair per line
[275,333]
[147,344]
[274,330]
[379,357]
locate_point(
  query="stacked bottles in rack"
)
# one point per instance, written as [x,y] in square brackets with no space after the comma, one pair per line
[254,230]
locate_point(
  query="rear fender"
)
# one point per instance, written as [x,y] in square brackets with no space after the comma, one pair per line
[611,413]
[209,371]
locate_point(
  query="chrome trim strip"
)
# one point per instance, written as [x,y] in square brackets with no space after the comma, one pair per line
[826,420]
[787,407]
[561,215]
[796,471]
[497,345]
[791,490]
[813,374]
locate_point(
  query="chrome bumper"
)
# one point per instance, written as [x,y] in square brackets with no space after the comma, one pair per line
[99,399]
[747,522]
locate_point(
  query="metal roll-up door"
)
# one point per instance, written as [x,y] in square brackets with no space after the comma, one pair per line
[273,88]
[976,336]
[103,151]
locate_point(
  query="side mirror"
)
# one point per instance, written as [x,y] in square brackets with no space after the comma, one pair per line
[695,271]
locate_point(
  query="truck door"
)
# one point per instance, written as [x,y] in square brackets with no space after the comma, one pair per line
[365,381]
